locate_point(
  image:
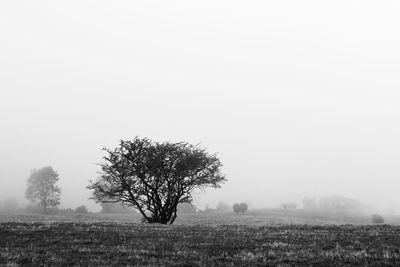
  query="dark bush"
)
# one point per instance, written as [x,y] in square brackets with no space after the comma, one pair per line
[243,207]
[240,208]
[376,218]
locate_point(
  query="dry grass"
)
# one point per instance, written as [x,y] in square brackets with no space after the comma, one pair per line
[197,240]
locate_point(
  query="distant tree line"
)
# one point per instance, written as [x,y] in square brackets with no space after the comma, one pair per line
[332,202]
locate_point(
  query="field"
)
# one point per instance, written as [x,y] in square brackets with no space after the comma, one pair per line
[271,237]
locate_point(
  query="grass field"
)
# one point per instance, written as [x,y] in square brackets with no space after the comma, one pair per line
[260,238]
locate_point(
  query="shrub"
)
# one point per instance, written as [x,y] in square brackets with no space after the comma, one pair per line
[81,209]
[240,208]
[376,218]
[243,207]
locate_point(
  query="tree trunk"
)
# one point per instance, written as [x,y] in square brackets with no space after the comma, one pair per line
[44,203]
[165,218]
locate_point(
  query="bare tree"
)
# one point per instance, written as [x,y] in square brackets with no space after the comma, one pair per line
[42,188]
[155,177]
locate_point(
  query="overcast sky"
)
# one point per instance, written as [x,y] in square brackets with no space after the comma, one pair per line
[298,98]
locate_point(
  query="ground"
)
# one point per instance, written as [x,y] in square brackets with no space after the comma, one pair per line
[277,238]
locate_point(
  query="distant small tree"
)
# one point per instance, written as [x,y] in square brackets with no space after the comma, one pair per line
[155,177]
[81,209]
[240,208]
[42,188]
[376,218]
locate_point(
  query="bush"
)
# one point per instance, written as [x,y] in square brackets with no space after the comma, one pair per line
[240,208]
[81,209]
[376,218]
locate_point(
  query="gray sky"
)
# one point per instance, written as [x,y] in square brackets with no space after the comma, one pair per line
[298,98]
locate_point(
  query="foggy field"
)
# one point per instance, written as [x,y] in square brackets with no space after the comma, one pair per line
[257,238]
[269,217]
[199,133]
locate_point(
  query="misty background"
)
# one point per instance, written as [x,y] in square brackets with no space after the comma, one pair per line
[295,102]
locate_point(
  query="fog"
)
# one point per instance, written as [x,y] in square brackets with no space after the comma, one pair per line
[298,98]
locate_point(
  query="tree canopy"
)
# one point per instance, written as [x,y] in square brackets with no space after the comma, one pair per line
[41,188]
[155,177]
